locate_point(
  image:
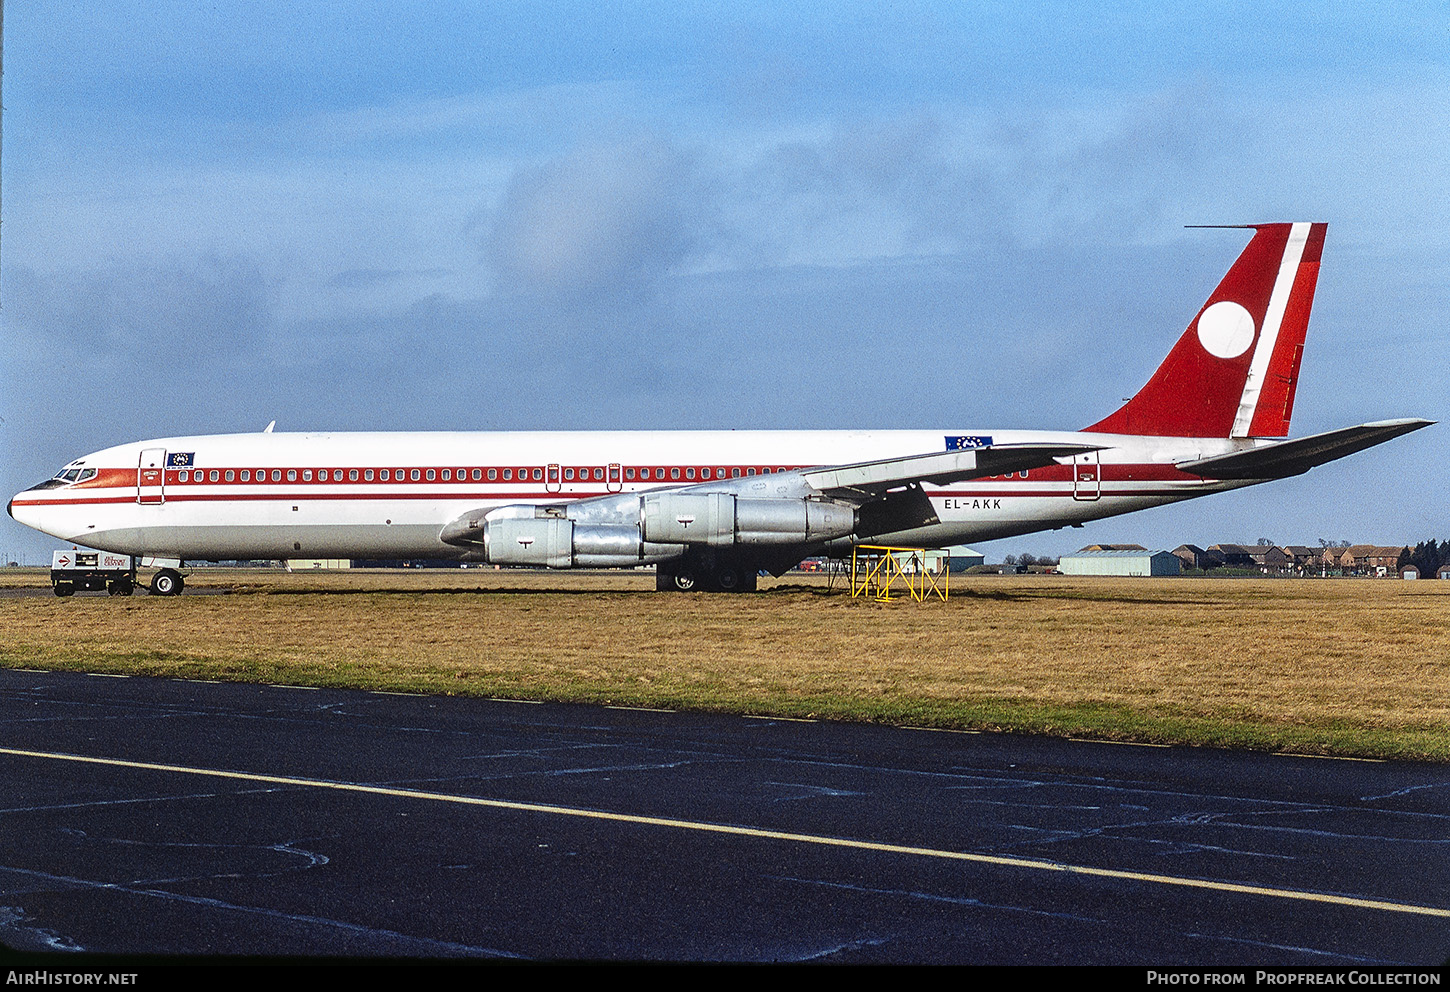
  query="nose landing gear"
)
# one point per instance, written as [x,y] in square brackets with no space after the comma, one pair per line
[167,582]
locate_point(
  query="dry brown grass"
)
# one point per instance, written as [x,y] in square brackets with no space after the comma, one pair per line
[1345,666]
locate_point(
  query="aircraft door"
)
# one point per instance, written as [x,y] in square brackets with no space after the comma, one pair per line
[551,478]
[616,480]
[1086,477]
[151,476]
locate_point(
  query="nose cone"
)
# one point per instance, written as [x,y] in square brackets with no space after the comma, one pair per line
[23,510]
[23,513]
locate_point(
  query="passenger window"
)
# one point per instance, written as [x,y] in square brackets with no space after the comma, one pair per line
[214,476]
[508,474]
[231,476]
[414,475]
[689,473]
[276,475]
[629,474]
[750,471]
[734,473]
[569,475]
[246,475]
[352,475]
[385,475]
[367,475]
[478,474]
[183,476]
[448,475]
[307,475]
[432,475]
[291,475]
[538,474]
[492,474]
[674,473]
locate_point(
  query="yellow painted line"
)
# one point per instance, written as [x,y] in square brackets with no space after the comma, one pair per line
[1090,740]
[719,828]
[1326,757]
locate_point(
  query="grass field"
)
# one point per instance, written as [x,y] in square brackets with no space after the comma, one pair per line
[1348,667]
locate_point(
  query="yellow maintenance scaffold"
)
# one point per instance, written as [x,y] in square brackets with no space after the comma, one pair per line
[877,569]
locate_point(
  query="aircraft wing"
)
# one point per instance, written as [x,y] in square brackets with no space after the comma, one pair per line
[1279,461]
[871,480]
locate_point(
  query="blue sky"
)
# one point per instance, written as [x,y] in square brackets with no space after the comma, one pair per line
[518,216]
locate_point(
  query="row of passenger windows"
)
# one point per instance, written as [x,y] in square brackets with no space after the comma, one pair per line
[534,474]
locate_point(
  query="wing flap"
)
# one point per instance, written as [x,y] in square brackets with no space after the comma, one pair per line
[872,479]
[1279,461]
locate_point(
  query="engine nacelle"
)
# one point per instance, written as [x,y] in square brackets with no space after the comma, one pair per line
[555,542]
[723,519]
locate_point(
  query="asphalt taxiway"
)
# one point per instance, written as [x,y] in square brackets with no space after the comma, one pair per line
[146,816]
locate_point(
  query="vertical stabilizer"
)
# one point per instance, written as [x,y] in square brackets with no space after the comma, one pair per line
[1233,372]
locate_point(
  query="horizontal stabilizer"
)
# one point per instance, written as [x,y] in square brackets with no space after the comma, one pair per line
[938,468]
[1279,461]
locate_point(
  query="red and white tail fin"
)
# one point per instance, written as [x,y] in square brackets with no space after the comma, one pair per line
[1233,372]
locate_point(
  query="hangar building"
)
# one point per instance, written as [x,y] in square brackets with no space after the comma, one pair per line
[1119,563]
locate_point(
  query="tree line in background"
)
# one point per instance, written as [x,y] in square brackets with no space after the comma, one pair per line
[1028,560]
[1427,556]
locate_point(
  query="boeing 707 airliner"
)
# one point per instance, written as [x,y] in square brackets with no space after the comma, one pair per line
[711,509]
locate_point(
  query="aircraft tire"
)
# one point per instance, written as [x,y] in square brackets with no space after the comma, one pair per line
[677,579]
[167,583]
[64,589]
[734,578]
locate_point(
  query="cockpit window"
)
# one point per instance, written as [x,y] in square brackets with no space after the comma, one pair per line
[69,475]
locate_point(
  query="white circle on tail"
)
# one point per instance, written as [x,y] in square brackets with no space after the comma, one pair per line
[1226,329]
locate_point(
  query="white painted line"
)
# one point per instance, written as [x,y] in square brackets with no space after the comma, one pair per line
[789,719]
[500,699]
[385,692]
[200,681]
[33,671]
[106,675]
[942,730]
[279,685]
[639,709]
[761,834]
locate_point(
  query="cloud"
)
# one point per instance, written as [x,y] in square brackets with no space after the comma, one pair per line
[604,218]
[154,320]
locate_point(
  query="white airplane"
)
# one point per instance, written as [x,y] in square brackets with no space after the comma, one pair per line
[710,509]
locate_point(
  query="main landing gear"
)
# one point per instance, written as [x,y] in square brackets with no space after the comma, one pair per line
[167,582]
[702,574]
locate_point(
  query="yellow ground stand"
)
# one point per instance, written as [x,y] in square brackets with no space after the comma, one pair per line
[876,570]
